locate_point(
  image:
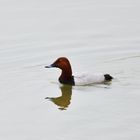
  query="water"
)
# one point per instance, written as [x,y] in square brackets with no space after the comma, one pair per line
[102,36]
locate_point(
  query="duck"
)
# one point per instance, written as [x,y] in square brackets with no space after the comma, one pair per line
[68,78]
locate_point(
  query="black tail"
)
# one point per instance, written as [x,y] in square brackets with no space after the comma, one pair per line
[108,77]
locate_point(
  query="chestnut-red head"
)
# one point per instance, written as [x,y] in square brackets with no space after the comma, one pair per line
[63,64]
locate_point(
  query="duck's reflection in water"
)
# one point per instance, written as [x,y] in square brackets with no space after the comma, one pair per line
[64,100]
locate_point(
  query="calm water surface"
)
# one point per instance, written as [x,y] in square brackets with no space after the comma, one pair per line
[102,36]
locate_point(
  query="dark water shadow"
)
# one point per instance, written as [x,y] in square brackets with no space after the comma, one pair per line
[64,100]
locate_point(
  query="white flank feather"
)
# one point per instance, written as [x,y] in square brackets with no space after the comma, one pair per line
[89,78]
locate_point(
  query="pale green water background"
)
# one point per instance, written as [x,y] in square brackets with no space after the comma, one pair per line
[96,35]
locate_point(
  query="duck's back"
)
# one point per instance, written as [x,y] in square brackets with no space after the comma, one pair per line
[89,78]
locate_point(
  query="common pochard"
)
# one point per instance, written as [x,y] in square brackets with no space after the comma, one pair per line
[67,77]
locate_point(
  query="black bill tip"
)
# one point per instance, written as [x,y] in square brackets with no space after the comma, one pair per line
[48,66]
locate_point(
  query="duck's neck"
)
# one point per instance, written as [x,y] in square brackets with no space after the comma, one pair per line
[66,77]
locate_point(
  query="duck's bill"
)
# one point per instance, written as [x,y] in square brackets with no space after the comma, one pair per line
[50,66]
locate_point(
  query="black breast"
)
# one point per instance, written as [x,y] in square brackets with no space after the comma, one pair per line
[67,81]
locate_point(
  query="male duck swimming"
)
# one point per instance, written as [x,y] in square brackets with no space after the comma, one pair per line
[66,76]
